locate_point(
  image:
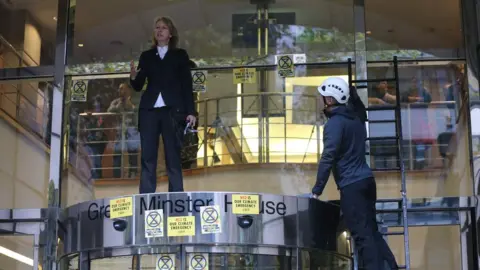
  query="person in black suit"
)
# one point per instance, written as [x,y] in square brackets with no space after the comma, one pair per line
[166,105]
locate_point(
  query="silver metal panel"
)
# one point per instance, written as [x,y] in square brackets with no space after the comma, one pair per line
[284,221]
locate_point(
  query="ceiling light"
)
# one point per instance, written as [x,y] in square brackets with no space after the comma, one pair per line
[17,256]
[368,32]
[54,18]
[80,45]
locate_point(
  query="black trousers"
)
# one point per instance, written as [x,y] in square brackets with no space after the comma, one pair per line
[152,124]
[358,207]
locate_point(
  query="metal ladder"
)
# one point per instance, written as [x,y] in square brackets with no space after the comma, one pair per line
[398,138]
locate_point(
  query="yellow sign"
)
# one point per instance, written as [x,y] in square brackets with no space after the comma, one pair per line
[199,80]
[245,204]
[79,91]
[121,207]
[165,262]
[244,75]
[154,223]
[181,226]
[285,66]
[211,221]
[198,261]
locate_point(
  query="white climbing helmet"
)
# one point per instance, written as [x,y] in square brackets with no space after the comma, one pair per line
[337,88]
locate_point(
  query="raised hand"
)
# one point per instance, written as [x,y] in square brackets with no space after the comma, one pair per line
[133,70]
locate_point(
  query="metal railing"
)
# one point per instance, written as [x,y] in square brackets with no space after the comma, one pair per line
[26,104]
[22,100]
[13,57]
[236,130]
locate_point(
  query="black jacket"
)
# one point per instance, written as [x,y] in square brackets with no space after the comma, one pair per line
[171,76]
[344,138]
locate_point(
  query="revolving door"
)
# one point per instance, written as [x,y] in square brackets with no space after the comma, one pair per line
[204,231]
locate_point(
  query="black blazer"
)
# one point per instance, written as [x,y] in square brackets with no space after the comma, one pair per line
[170,76]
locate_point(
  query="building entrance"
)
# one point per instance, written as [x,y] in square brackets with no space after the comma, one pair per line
[204,231]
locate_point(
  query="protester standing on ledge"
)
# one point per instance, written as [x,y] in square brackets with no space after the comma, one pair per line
[166,105]
[344,152]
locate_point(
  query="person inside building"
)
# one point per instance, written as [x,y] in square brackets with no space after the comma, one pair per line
[344,153]
[125,127]
[165,106]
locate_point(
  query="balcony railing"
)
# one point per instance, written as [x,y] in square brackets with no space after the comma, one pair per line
[267,128]
[11,57]
[26,104]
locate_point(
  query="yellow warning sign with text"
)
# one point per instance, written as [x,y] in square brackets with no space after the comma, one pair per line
[121,207]
[181,226]
[245,204]
[244,75]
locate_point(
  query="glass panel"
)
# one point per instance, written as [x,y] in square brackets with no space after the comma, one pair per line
[25,123]
[16,252]
[215,34]
[123,262]
[69,263]
[412,30]
[325,260]
[238,261]
[432,247]
[434,128]
[27,33]
[323,31]
[104,144]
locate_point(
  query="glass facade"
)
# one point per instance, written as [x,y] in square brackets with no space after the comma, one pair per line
[63,64]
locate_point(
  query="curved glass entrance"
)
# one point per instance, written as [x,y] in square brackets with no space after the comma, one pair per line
[211,260]
[144,232]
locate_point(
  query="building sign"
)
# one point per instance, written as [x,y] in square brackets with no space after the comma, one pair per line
[181,226]
[199,80]
[198,261]
[165,262]
[79,90]
[211,220]
[285,66]
[245,204]
[244,75]
[154,223]
[121,207]
[189,205]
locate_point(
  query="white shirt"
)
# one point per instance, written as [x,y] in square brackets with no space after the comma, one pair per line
[162,50]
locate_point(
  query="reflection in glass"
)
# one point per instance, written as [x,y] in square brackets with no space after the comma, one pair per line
[413,30]
[27,33]
[25,123]
[215,34]
[434,127]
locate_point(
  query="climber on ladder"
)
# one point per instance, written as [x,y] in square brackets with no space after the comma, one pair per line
[344,138]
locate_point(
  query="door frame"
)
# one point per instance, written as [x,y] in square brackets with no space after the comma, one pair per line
[27,222]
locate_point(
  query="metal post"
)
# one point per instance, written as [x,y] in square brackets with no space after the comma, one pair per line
[260,131]
[267,129]
[77,148]
[317,122]
[84,261]
[241,129]
[205,134]
[360,47]
[285,136]
[398,117]
[122,151]
[56,138]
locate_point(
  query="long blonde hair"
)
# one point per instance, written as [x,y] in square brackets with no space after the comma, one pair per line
[173,42]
